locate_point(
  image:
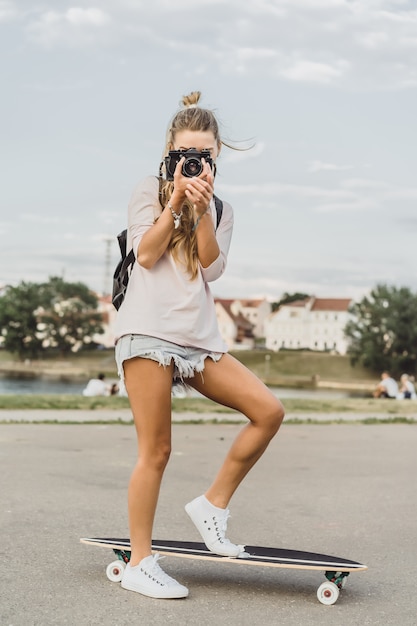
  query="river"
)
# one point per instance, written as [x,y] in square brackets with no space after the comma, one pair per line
[16,386]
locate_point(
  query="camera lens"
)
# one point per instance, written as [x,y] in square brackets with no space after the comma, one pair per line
[192,167]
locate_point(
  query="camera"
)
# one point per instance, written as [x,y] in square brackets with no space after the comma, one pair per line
[192,165]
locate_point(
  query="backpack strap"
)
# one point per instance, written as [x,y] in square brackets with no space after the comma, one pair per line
[219,210]
[122,272]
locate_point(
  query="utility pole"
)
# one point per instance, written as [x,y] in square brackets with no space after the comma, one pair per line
[107,266]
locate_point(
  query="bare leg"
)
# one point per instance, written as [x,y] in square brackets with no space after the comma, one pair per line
[149,388]
[230,383]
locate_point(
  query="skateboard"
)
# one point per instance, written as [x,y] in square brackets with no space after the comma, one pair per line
[336,569]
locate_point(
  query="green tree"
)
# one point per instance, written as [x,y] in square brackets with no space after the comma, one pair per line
[18,323]
[36,317]
[287,298]
[383,330]
[69,318]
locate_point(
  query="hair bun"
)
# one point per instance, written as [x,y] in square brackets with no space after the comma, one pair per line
[191,100]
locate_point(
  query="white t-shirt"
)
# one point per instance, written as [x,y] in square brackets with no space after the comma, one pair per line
[163,301]
[390,386]
[96,387]
[411,389]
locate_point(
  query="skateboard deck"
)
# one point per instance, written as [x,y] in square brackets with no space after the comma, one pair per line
[336,569]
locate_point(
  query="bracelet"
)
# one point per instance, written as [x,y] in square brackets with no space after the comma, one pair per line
[177,216]
[198,220]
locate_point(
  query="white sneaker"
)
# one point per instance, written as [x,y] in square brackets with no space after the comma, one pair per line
[211,523]
[150,580]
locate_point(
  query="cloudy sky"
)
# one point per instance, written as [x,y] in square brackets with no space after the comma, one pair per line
[327,89]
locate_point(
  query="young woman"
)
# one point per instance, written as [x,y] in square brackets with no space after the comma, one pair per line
[167,332]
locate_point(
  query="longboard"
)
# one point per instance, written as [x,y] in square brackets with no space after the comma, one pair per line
[336,569]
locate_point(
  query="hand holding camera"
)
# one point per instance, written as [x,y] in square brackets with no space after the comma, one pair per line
[192,165]
[192,172]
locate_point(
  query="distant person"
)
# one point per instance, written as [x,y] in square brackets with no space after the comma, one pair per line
[407,390]
[387,387]
[114,389]
[97,387]
[167,330]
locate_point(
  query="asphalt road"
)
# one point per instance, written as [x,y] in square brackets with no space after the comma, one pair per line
[345,489]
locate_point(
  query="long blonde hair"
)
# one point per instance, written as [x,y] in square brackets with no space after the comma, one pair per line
[183,244]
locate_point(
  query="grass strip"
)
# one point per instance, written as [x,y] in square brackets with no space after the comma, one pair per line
[203,405]
[367,421]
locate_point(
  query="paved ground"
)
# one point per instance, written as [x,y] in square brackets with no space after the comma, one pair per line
[345,489]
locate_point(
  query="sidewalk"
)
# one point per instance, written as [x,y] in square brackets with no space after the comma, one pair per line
[125,416]
[341,489]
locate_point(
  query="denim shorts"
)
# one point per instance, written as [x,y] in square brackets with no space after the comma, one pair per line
[187,360]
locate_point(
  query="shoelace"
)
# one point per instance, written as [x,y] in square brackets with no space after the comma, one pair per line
[157,573]
[221,525]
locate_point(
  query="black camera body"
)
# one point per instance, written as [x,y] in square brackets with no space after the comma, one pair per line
[192,165]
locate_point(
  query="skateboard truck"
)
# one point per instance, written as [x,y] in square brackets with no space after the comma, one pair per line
[328,592]
[115,569]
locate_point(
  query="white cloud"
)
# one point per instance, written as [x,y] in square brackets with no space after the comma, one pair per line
[404,192]
[365,184]
[93,16]
[57,86]
[381,188]
[350,43]
[348,195]
[373,40]
[315,4]
[8,11]
[355,204]
[33,218]
[320,166]
[288,189]
[252,53]
[312,72]
[73,27]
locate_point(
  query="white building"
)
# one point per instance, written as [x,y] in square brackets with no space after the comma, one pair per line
[241,321]
[256,312]
[234,328]
[312,324]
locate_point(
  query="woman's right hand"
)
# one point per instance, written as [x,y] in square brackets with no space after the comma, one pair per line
[199,189]
[180,184]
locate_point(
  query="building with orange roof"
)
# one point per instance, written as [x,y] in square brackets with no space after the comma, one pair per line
[241,321]
[310,324]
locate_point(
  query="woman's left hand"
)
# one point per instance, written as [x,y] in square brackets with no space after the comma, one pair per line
[199,190]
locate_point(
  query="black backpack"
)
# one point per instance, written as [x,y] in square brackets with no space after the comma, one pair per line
[124,267]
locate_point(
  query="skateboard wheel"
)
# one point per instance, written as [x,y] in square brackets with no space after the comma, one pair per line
[328,593]
[114,571]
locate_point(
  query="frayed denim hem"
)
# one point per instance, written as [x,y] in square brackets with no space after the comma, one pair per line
[185,367]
